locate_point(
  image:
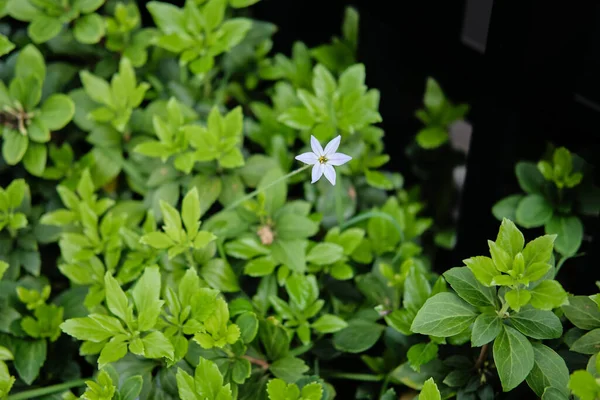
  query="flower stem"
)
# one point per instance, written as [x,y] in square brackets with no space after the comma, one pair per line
[354,377]
[30,394]
[482,356]
[261,363]
[262,189]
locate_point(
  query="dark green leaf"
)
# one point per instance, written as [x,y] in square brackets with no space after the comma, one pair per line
[443,315]
[469,289]
[360,335]
[569,231]
[533,211]
[549,370]
[513,356]
[485,329]
[537,324]
[29,358]
[582,312]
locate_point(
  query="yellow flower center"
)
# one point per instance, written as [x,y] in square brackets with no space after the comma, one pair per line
[322,159]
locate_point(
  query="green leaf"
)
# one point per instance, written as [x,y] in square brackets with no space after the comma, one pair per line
[517,298]
[213,13]
[303,290]
[28,359]
[483,268]
[190,212]
[549,370]
[146,296]
[248,324]
[378,180]
[87,6]
[360,335]
[97,88]
[513,356]
[584,385]
[220,276]
[30,63]
[329,323]
[95,328]
[156,345]
[539,250]
[14,146]
[242,3]
[548,295]
[537,324]
[116,300]
[114,350]
[323,82]
[5,354]
[208,380]
[583,312]
[291,226]
[260,266]
[246,247]
[551,393]
[89,29]
[569,231]
[6,46]
[21,10]
[469,289]
[44,28]
[35,158]
[297,118]
[57,111]
[529,177]
[507,207]
[341,271]
[37,131]
[232,159]
[420,354]
[443,315]
[275,339]
[290,253]
[510,238]
[533,211]
[502,260]
[131,388]
[168,18]
[432,137]
[289,369]
[275,194]
[185,385]
[158,240]
[588,343]
[416,289]
[430,391]
[325,254]
[485,329]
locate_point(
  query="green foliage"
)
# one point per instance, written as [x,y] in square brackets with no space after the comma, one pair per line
[47,18]
[559,191]
[166,243]
[439,113]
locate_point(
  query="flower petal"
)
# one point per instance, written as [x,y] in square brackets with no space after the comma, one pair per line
[316,146]
[332,146]
[330,174]
[338,159]
[317,172]
[308,158]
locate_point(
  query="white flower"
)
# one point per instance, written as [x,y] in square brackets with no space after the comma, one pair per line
[324,160]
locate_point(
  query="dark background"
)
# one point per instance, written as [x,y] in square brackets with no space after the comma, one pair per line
[529,69]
